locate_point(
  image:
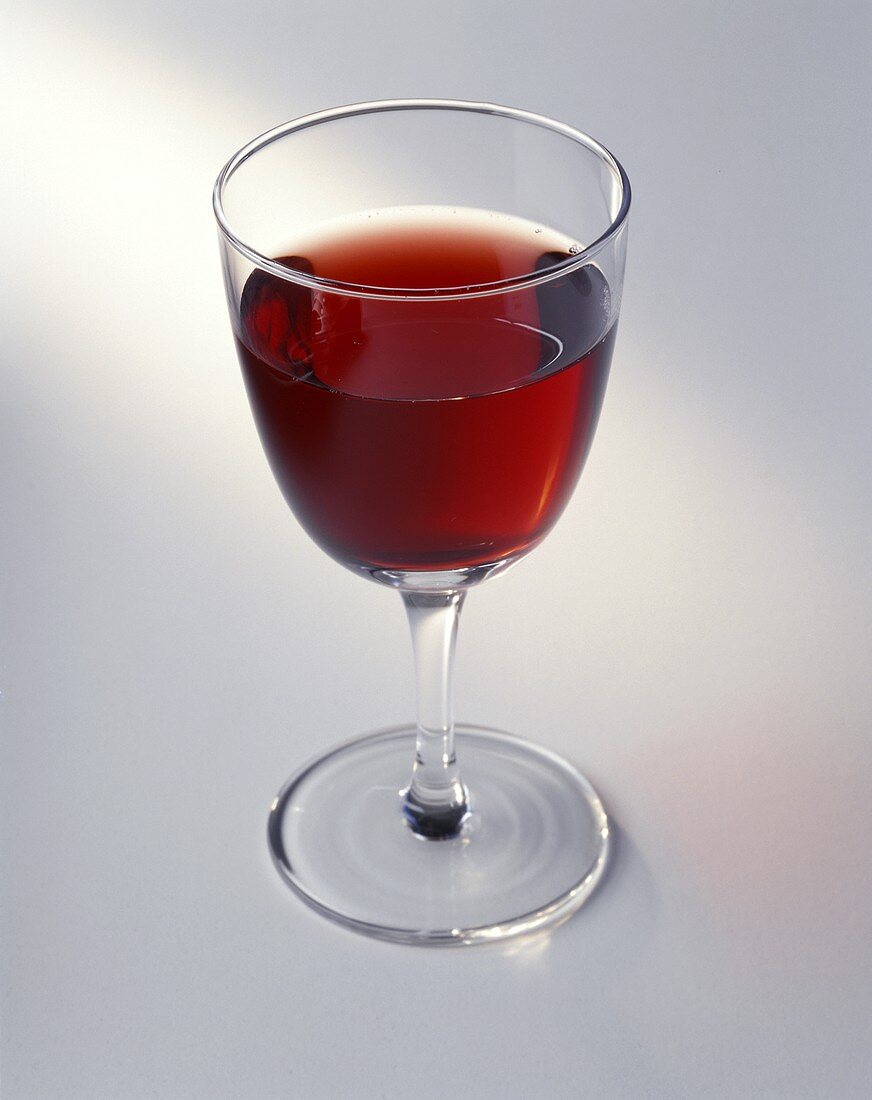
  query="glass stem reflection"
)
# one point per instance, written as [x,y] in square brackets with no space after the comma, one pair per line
[436,801]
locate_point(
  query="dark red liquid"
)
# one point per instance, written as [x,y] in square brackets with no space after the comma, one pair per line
[426,433]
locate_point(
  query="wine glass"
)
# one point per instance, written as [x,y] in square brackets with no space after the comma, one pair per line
[424,296]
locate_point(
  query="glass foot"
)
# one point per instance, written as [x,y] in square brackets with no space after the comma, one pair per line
[532,850]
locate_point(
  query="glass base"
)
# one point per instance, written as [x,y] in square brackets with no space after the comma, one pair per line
[531,851]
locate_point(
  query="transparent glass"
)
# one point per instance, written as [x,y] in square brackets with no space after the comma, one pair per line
[424,296]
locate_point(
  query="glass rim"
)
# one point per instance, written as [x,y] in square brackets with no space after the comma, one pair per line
[357,290]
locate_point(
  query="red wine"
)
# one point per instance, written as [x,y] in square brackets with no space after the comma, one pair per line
[426,433]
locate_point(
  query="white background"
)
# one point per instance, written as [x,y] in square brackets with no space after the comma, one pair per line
[695,634]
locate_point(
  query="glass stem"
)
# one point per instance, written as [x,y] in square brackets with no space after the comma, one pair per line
[436,801]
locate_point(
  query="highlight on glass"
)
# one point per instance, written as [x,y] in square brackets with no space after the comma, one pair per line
[424,296]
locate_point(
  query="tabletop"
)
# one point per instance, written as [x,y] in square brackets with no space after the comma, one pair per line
[694,634]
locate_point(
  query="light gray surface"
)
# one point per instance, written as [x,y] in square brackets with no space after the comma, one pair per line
[695,634]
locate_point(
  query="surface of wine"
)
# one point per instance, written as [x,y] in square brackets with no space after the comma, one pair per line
[426,432]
